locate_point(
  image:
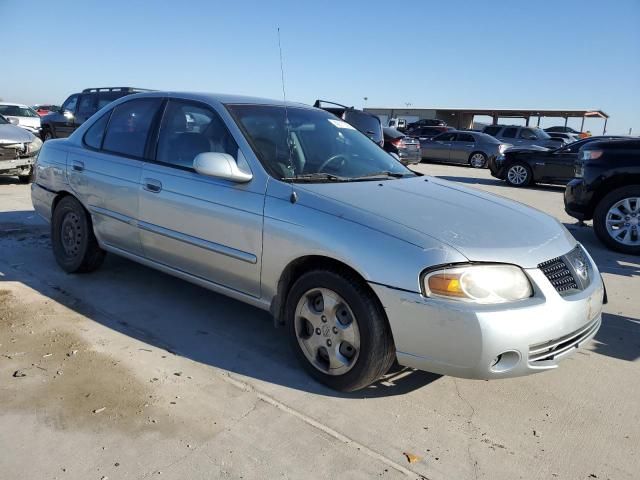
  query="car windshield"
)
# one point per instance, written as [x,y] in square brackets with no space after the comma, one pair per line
[17,111]
[541,134]
[3,120]
[312,145]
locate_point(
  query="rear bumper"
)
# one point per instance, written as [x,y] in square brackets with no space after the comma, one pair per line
[577,200]
[465,340]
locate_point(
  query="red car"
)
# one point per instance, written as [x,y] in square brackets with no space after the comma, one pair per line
[43,110]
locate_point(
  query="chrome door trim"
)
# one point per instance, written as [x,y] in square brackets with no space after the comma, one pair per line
[199,242]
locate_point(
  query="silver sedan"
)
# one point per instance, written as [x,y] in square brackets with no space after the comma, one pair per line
[294,211]
[463,147]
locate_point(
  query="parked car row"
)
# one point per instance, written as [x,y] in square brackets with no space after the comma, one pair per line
[293,210]
[22,116]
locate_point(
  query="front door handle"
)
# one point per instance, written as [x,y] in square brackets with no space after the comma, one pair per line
[77,165]
[152,185]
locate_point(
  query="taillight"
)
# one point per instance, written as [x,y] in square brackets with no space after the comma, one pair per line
[591,154]
[398,143]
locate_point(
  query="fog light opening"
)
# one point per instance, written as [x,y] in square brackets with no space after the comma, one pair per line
[504,362]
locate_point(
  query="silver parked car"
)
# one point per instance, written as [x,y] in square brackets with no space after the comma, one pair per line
[464,147]
[18,150]
[294,211]
[21,115]
[523,136]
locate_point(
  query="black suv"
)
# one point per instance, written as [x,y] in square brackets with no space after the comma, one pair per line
[366,123]
[607,190]
[78,108]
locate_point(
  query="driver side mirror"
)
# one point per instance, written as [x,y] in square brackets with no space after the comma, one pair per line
[67,113]
[220,165]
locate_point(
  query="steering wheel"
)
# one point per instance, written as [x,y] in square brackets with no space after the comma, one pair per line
[331,160]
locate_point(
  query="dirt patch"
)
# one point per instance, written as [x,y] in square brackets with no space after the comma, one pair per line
[49,370]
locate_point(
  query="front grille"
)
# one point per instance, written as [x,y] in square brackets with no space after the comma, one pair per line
[551,350]
[559,274]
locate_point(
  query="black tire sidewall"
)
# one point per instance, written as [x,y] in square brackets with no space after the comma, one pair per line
[529,174]
[64,207]
[372,325]
[600,218]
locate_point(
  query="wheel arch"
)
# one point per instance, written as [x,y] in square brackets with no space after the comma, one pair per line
[609,185]
[296,268]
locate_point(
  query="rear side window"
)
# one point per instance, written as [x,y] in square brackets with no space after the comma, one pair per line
[95,134]
[105,98]
[129,126]
[510,132]
[492,130]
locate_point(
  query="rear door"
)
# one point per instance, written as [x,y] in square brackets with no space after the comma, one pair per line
[560,165]
[462,147]
[105,172]
[204,226]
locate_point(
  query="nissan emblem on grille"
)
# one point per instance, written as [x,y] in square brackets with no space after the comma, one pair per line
[567,273]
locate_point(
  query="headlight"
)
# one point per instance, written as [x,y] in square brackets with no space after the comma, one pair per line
[503,147]
[35,145]
[486,284]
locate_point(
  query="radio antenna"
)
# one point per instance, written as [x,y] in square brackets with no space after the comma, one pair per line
[287,125]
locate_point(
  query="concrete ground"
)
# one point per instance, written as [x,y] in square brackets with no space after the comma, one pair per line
[128,373]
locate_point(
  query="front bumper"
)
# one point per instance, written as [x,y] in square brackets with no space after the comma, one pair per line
[464,340]
[16,166]
[495,165]
[577,199]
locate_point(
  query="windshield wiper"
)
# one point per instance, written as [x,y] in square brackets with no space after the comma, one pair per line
[379,175]
[315,177]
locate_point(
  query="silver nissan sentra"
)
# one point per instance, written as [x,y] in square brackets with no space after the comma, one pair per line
[290,209]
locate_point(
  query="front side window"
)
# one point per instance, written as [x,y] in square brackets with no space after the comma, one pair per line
[187,130]
[129,126]
[528,134]
[70,103]
[465,137]
[301,143]
[444,137]
[510,132]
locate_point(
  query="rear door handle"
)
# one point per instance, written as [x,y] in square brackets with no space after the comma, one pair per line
[152,185]
[77,165]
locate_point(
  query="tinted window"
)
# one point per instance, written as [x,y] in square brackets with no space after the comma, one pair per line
[188,130]
[465,137]
[17,111]
[87,105]
[444,137]
[95,134]
[367,124]
[129,126]
[492,130]
[528,134]
[70,103]
[510,132]
[105,98]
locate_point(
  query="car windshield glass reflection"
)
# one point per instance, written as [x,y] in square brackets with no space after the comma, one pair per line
[312,145]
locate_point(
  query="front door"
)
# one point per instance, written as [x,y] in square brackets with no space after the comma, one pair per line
[207,227]
[560,165]
[63,121]
[462,148]
[439,146]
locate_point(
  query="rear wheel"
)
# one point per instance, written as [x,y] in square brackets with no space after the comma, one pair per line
[616,220]
[478,160]
[74,244]
[47,134]
[519,175]
[338,330]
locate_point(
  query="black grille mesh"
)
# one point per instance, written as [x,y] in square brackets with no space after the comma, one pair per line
[559,275]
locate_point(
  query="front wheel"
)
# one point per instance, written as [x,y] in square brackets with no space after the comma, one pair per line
[75,246]
[47,134]
[338,330]
[478,160]
[519,175]
[616,220]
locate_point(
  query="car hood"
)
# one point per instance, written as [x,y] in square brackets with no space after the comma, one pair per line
[13,134]
[481,226]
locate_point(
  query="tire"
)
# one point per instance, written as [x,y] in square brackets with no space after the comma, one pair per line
[519,175]
[361,342]
[621,208]
[74,244]
[47,134]
[478,160]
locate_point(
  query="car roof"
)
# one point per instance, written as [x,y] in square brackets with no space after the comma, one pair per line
[218,98]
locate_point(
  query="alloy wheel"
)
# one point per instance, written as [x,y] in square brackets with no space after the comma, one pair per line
[477,160]
[623,221]
[517,175]
[327,331]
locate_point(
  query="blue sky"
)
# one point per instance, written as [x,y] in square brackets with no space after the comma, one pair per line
[502,54]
